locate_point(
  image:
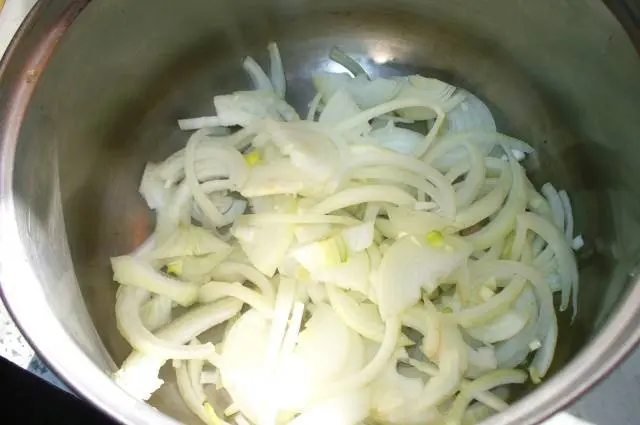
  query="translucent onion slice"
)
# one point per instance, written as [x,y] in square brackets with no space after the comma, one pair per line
[362,318]
[568,210]
[135,272]
[213,291]
[138,375]
[360,195]
[397,139]
[566,260]
[393,175]
[410,265]
[555,203]
[485,383]
[233,268]
[339,105]
[504,221]
[259,78]
[470,114]
[475,176]
[452,363]
[491,309]
[373,368]
[190,389]
[501,328]
[269,219]
[368,157]
[337,55]
[128,304]
[188,240]
[486,397]
[369,114]
[156,312]
[278,78]
[265,245]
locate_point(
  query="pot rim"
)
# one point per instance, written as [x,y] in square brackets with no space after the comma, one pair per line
[22,293]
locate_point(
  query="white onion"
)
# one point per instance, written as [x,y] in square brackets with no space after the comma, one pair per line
[314,241]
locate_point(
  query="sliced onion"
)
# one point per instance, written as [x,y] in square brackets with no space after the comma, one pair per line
[278,79]
[259,78]
[344,229]
[494,307]
[213,291]
[128,304]
[132,271]
[156,312]
[470,114]
[487,382]
[504,221]
[362,194]
[568,268]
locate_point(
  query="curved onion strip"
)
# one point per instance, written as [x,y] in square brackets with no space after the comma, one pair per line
[369,326]
[512,352]
[213,291]
[483,140]
[195,399]
[547,321]
[369,372]
[205,204]
[132,271]
[259,78]
[261,219]
[198,320]
[476,166]
[284,305]
[156,312]
[499,329]
[464,287]
[389,174]
[485,397]
[128,304]
[427,323]
[451,364]
[338,56]
[172,169]
[483,384]
[568,210]
[376,157]
[278,79]
[545,257]
[487,205]
[251,274]
[474,180]
[555,239]
[504,221]
[369,114]
[494,252]
[494,307]
[313,107]
[360,195]
[555,203]
[543,358]
[494,167]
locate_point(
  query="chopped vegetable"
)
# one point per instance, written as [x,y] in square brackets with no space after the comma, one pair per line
[327,248]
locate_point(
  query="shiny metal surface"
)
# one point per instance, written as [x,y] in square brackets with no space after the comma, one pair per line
[77,125]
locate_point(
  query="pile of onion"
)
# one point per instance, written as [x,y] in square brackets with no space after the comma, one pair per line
[356,269]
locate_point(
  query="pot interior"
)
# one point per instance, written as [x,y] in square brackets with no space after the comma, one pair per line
[559,75]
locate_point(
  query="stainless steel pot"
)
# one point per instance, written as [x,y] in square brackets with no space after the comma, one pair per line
[90,91]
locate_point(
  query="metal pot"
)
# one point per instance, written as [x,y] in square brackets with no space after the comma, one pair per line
[90,91]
